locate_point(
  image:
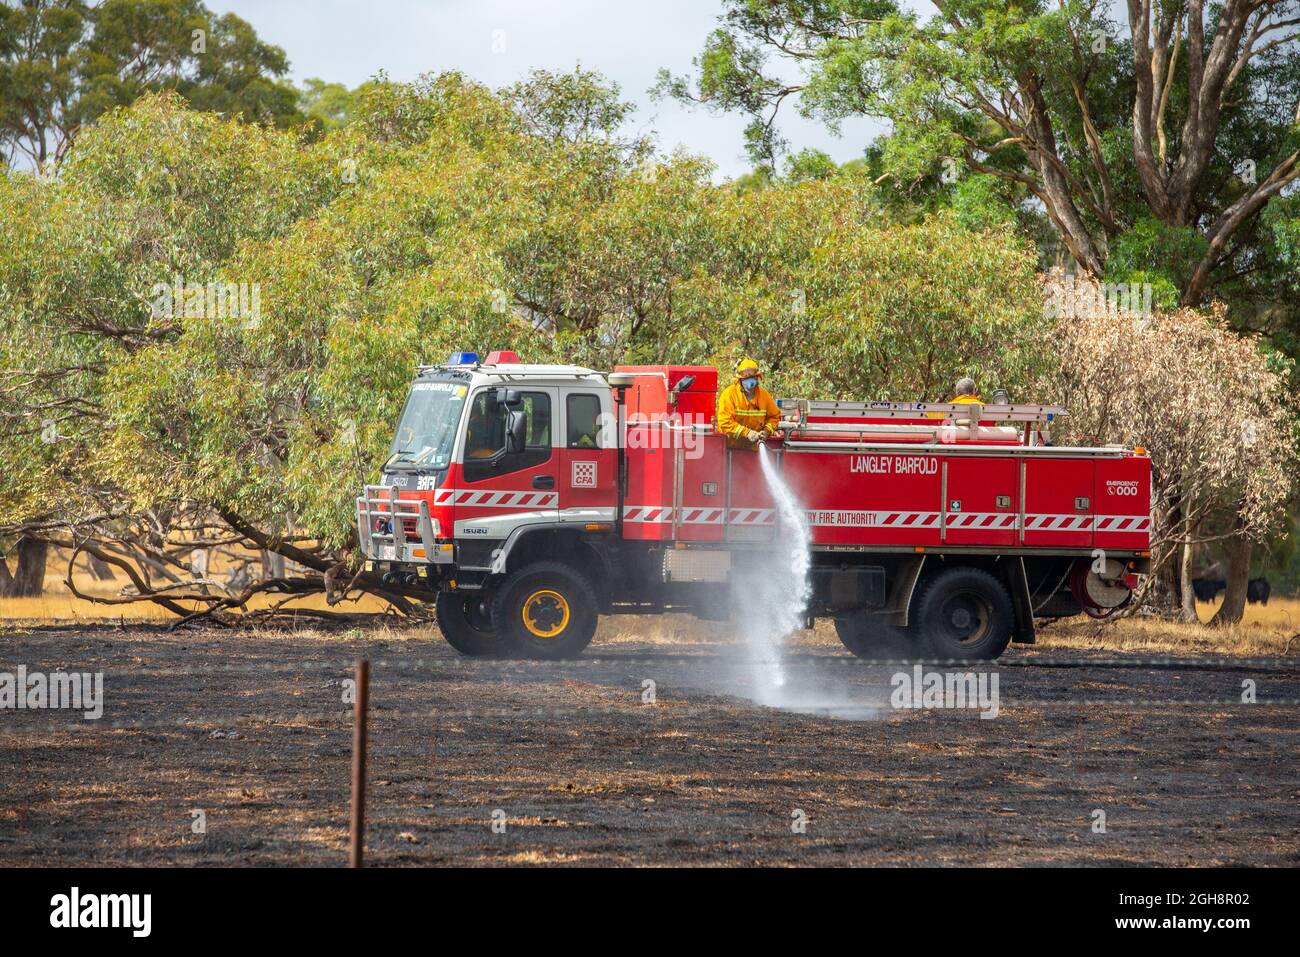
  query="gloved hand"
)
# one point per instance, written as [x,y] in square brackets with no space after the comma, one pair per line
[754,436]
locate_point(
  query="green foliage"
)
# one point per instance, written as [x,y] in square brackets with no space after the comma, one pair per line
[64,63]
[577,107]
[984,202]
[151,194]
[1032,114]
[1282,223]
[442,216]
[809,164]
[1156,253]
[330,105]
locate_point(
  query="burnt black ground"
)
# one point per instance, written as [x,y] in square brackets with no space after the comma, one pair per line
[250,729]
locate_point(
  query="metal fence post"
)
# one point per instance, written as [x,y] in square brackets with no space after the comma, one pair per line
[362,705]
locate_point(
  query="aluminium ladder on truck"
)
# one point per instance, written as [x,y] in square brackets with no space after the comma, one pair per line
[833,408]
[862,421]
[802,418]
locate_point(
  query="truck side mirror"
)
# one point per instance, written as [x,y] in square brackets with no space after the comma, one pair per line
[516,430]
[509,398]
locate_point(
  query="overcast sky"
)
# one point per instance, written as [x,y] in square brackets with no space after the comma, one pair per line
[347,41]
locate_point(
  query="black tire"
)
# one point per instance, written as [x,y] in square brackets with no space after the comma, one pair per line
[868,637]
[964,613]
[546,610]
[466,622]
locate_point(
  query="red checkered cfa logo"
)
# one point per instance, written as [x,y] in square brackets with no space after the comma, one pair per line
[584,475]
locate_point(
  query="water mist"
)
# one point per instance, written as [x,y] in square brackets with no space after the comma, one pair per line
[773,605]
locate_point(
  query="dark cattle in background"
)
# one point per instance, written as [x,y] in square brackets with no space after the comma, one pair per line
[1257,591]
[1208,589]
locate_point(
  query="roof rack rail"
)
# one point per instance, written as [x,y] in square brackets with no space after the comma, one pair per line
[962,411]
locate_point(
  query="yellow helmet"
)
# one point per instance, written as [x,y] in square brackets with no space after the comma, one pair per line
[747,365]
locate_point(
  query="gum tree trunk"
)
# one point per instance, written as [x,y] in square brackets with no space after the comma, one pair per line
[28,577]
[1234,599]
[272,564]
[1188,602]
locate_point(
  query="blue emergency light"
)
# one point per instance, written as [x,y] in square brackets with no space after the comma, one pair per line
[463,359]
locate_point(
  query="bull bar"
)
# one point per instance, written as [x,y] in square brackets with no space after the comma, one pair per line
[391,542]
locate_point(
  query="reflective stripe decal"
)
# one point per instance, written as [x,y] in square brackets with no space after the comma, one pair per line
[1078,523]
[1123,523]
[701,516]
[835,518]
[841,517]
[982,520]
[475,498]
[647,513]
[819,518]
[1042,522]
[653,514]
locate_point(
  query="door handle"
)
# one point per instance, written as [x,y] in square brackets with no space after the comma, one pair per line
[543,481]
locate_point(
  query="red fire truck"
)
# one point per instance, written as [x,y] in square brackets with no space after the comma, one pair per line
[530,499]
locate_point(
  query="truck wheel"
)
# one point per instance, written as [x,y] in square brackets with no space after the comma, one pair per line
[546,609]
[868,637]
[965,613]
[464,621]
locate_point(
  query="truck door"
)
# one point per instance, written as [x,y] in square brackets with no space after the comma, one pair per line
[587,459]
[500,488]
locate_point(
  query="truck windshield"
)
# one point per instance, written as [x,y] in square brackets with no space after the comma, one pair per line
[428,427]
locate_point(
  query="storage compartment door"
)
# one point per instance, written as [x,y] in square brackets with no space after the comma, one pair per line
[1058,502]
[981,501]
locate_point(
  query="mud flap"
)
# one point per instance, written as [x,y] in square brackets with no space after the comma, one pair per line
[1018,584]
[900,599]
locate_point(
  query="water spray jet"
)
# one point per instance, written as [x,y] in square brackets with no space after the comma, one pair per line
[772,601]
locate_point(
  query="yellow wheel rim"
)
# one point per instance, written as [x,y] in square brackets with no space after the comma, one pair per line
[545,613]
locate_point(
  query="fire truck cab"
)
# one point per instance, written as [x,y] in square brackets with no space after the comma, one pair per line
[528,500]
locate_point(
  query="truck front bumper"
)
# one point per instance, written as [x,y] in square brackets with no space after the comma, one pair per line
[383,535]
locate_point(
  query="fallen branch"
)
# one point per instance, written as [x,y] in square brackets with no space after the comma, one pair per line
[145,592]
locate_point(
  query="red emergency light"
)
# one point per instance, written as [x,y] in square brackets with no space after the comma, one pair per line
[502,357]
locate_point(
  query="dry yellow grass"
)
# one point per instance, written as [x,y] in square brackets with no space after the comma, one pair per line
[64,607]
[58,604]
[1262,632]
[1280,612]
[1265,630]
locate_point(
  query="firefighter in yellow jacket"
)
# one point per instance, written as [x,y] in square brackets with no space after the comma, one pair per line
[965,395]
[747,413]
